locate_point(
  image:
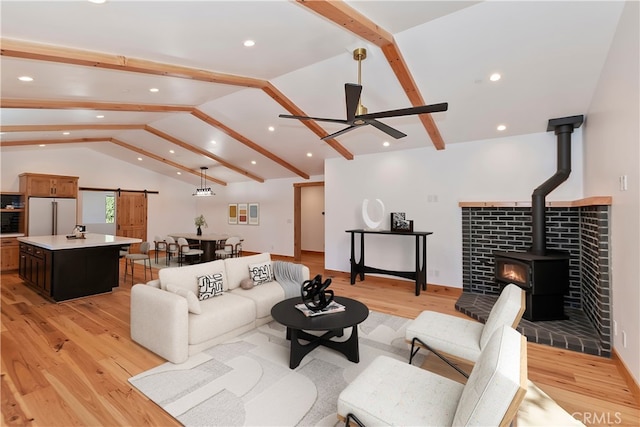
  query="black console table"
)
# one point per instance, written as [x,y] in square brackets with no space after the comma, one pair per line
[420,273]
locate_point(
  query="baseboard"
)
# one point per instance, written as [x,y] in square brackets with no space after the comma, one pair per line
[626,374]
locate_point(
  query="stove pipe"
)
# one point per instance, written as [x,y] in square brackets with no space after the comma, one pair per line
[563,128]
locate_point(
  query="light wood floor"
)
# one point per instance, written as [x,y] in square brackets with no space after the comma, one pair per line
[68,364]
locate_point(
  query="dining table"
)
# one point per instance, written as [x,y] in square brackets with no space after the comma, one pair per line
[208,242]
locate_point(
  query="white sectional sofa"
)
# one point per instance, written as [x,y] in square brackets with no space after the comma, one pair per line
[168,318]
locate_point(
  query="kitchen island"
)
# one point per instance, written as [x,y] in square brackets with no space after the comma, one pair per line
[60,268]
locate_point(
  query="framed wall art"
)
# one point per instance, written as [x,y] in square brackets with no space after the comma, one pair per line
[399,223]
[254,213]
[242,213]
[233,213]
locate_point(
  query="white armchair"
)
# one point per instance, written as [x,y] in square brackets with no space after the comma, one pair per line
[390,392]
[464,338]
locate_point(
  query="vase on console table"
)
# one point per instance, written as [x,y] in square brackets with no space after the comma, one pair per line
[199,231]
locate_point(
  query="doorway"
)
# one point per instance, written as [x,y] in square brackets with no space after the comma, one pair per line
[298,221]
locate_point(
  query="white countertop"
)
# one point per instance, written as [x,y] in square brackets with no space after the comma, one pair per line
[60,241]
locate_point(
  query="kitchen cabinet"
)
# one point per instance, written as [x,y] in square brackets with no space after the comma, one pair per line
[9,253]
[61,269]
[41,185]
[35,268]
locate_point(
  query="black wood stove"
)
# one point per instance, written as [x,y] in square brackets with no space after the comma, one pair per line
[542,273]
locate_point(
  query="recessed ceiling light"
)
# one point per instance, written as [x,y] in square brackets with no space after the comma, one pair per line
[42,145]
[249,43]
[253,162]
[154,89]
[386,144]
[66,133]
[172,152]
[271,128]
[213,142]
[309,154]
[140,159]
[99,116]
[495,77]
[25,79]
[97,1]
[179,173]
[501,127]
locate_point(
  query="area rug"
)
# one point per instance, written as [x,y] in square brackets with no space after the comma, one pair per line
[162,262]
[247,381]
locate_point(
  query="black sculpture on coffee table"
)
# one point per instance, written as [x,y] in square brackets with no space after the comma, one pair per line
[314,293]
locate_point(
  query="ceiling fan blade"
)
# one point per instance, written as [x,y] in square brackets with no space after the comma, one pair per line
[317,119]
[395,133]
[340,132]
[424,109]
[352,97]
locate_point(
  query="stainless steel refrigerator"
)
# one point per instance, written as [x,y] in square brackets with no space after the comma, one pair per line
[48,216]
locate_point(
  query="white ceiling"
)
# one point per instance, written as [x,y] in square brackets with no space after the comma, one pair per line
[550,55]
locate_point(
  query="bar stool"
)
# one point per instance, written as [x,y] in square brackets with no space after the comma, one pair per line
[131,258]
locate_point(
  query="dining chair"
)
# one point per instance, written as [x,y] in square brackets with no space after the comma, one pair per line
[160,245]
[171,248]
[185,249]
[231,248]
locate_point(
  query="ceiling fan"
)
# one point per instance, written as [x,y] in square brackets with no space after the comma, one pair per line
[357,113]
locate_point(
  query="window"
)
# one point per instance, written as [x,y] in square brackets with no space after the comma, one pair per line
[110,209]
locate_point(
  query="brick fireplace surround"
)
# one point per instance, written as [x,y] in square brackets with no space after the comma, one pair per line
[581,228]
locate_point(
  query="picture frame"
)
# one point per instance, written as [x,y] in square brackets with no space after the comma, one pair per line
[254,213]
[400,224]
[232,213]
[242,214]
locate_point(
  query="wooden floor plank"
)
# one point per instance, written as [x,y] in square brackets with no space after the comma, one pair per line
[68,364]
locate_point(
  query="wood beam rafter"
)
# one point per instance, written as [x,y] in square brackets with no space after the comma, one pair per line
[25,143]
[91,105]
[202,152]
[352,20]
[246,141]
[163,160]
[40,52]
[54,128]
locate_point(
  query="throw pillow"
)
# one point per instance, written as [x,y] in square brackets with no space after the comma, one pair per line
[192,301]
[261,273]
[210,286]
[246,283]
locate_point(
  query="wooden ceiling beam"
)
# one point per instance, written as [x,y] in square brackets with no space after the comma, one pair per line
[50,141]
[401,70]
[42,52]
[44,104]
[51,128]
[202,152]
[163,160]
[246,141]
[279,97]
[350,19]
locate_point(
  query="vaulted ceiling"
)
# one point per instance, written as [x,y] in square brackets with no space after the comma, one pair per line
[217,102]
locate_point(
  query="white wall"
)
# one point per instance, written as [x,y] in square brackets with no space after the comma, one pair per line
[612,137]
[275,231]
[312,213]
[172,210]
[428,185]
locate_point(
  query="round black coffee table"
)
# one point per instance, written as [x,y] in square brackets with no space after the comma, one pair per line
[296,322]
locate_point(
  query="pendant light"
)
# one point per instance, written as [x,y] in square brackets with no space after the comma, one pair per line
[203,191]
